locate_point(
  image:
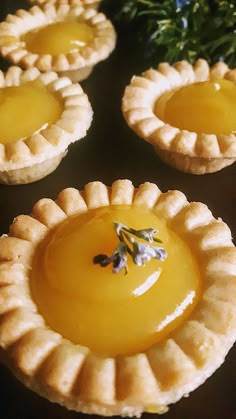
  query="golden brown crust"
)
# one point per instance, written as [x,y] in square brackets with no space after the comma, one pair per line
[34,157]
[187,151]
[23,21]
[32,173]
[196,165]
[127,385]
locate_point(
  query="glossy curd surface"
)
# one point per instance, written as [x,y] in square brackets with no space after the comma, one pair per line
[112,313]
[205,107]
[25,109]
[59,38]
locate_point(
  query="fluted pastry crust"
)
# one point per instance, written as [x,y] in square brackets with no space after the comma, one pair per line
[84,3]
[52,140]
[24,21]
[127,385]
[188,151]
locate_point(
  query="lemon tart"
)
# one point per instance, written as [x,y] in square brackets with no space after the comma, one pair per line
[98,315]
[187,113]
[84,3]
[65,38]
[40,116]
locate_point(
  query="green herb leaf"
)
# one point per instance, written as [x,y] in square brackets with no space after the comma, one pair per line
[171,30]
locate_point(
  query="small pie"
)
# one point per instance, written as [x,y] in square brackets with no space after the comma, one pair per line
[61,37]
[84,3]
[187,113]
[40,116]
[118,343]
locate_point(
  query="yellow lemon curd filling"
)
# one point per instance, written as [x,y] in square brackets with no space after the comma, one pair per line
[205,107]
[59,38]
[26,109]
[113,313]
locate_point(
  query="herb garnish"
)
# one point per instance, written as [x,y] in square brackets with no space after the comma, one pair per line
[171,30]
[139,251]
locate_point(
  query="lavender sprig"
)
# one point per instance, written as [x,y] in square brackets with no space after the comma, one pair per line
[118,259]
[141,253]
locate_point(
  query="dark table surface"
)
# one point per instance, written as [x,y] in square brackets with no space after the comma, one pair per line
[111,151]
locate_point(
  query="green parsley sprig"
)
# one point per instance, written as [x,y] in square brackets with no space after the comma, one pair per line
[171,30]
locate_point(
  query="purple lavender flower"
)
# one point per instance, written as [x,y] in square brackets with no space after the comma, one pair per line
[140,252]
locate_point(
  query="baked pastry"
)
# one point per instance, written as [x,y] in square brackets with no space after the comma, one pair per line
[84,3]
[187,113]
[40,116]
[65,38]
[116,343]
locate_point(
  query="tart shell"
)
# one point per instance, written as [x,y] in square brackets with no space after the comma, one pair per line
[32,158]
[182,149]
[78,64]
[31,173]
[73,375]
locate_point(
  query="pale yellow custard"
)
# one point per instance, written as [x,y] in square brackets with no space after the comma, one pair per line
[25,109]
[59,38]
[205,107]
[112,313]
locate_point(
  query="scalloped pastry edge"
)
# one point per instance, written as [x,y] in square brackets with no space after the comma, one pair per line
[84,3]
[74,376]
[76,65]
[182,149]
[33,157]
